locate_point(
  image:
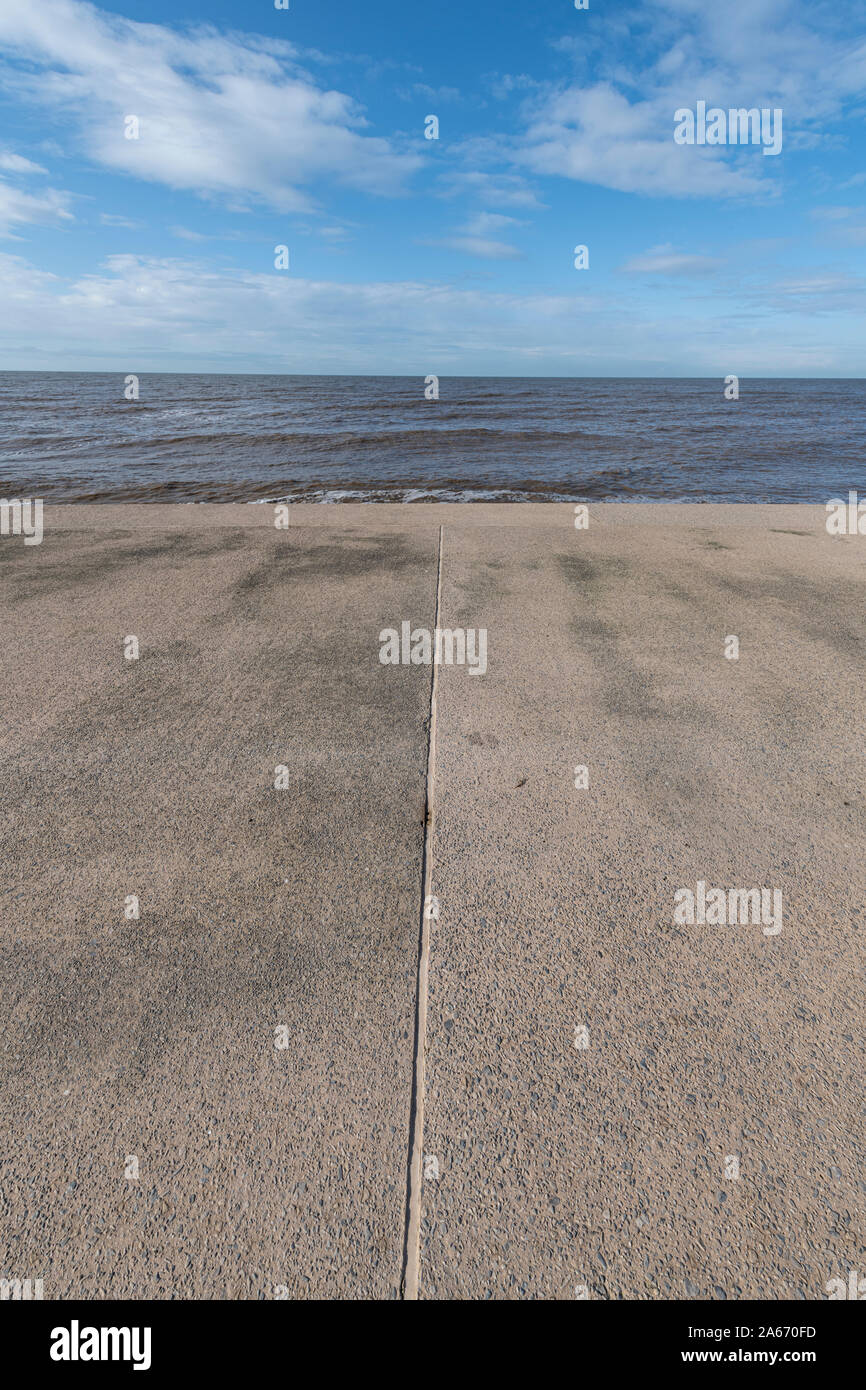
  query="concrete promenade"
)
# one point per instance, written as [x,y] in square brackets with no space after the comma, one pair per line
[215,1098]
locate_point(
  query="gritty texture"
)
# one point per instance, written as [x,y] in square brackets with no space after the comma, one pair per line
[600,1170]
[261,1168]
[281,1171]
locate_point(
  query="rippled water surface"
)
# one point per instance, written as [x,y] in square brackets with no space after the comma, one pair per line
[74,436]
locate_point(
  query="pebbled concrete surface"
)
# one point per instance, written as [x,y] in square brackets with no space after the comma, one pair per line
[600,1171]
[261,1170]
[268,1172]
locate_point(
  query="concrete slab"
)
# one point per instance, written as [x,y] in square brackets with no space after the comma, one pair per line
[599,1163]
[593,1066]
[148,1046]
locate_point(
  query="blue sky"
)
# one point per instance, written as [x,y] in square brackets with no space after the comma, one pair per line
[305,127]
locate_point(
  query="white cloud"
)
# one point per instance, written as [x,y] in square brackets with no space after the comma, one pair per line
[474,237]
[183,311]
[187,234]
[17,207]
[825,289]
[421,89]
[482,222]
[617,130]
[503,86]
[497,190]
[28,294]
[17,164]
[219,115]
[597,135]
[49,206]
[665,260]
[487,248]
[112,219]
[144,314]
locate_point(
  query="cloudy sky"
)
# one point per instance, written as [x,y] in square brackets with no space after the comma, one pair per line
[305,127]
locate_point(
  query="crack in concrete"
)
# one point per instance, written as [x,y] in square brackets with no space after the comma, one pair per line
[409,1285]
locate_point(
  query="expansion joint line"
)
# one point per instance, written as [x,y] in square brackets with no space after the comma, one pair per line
[411,1249]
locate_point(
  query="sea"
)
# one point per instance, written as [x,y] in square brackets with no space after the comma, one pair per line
[84,436]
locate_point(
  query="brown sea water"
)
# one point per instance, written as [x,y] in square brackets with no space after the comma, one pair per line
[68,436]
